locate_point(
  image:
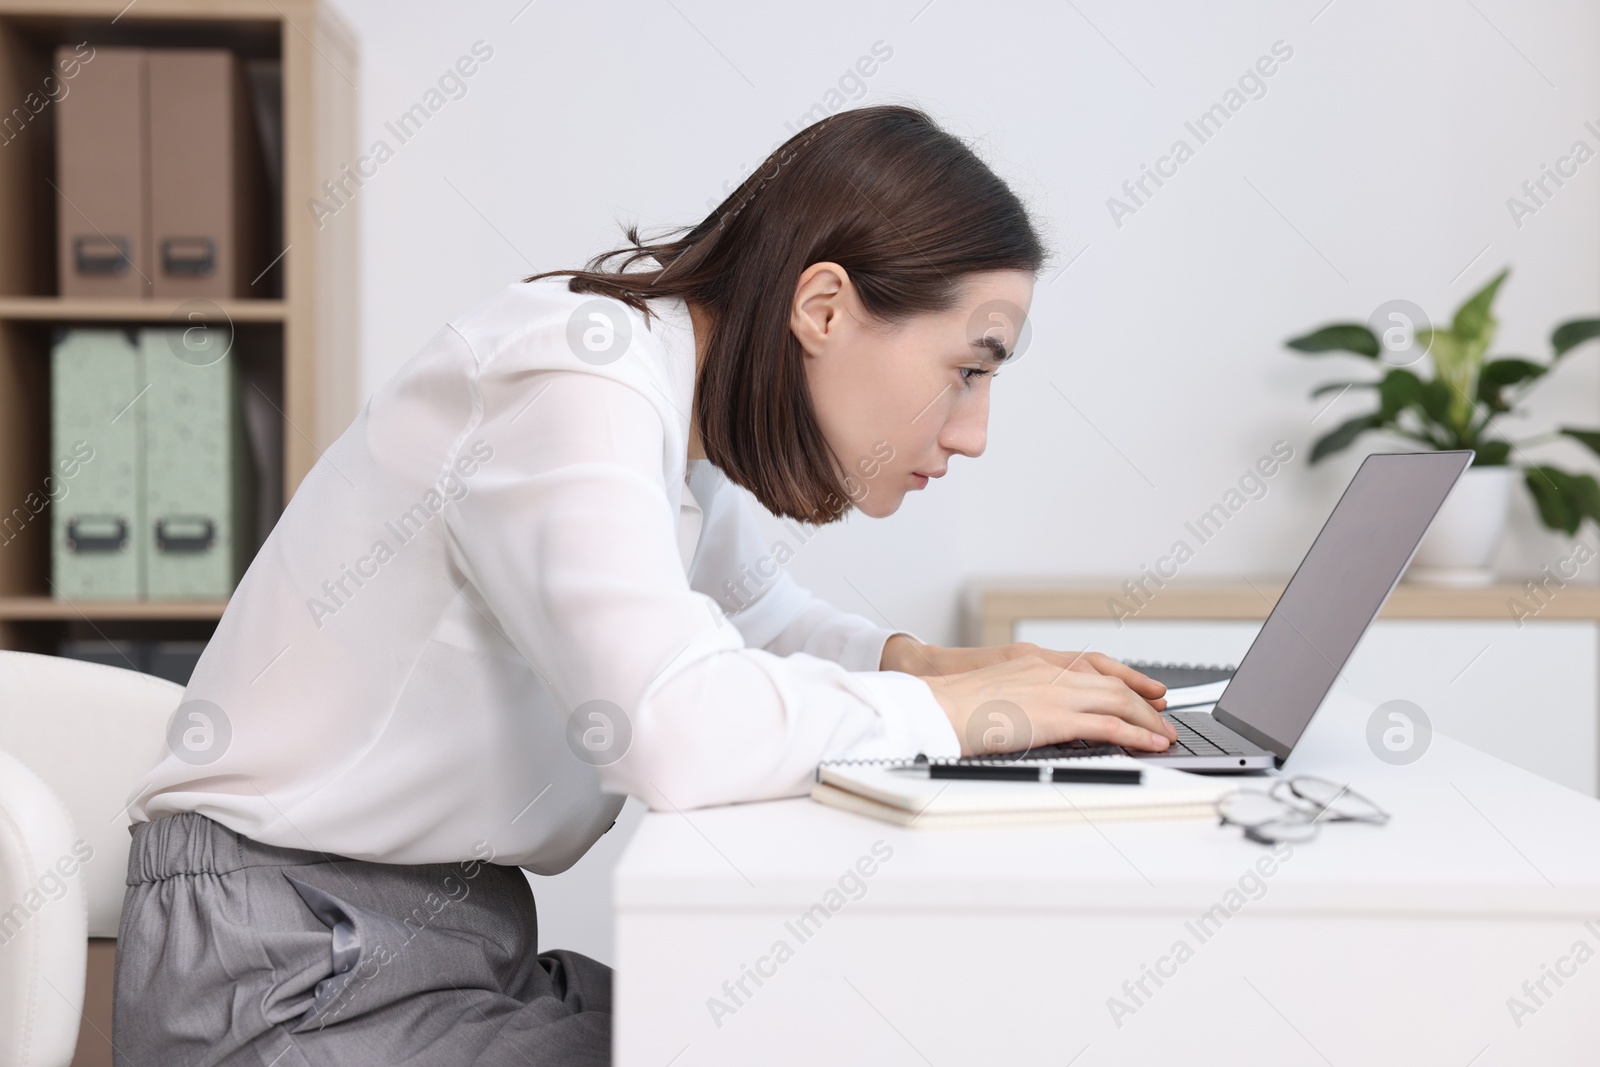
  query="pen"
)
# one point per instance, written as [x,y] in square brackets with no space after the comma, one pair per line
[1014,773]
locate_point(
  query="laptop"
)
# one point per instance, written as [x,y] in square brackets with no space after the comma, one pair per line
[1336,592]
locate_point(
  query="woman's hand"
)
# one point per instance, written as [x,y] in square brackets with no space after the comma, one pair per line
[909,656]
[1011,697]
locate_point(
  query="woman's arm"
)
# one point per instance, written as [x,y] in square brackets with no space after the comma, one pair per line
[749,578]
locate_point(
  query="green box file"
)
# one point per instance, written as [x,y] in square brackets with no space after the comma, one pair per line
[97,526]
[198,489]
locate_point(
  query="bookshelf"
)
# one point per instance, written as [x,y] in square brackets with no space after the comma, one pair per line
[296,343]
[80,309]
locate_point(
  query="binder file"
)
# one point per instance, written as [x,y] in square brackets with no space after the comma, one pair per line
[206,176]
[164,508]
[173,660]
[102,238]
[128,655]
[198,492]
[97,528]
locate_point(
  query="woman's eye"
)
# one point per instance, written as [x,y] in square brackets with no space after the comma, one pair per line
[969,373]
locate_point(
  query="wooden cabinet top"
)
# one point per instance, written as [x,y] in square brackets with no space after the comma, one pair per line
[992,608]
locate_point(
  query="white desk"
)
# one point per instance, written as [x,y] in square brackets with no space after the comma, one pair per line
[1368,946]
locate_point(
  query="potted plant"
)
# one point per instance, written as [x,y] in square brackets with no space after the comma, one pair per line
[1457,408]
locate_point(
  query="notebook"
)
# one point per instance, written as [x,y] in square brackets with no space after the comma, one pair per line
[1188,684]
[889,791]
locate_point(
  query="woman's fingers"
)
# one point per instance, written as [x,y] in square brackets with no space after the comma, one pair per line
[1107,695]
[1100,663]
[1107,729]
[1142,684]
[1124,707]
[1033,700]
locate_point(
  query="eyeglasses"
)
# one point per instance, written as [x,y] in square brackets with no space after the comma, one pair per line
[1293,809]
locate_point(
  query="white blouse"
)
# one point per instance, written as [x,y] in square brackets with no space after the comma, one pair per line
[502,600]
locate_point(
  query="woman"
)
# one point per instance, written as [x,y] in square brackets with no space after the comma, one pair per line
[518,588]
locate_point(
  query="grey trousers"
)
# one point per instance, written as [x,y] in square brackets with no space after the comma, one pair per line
[235,952]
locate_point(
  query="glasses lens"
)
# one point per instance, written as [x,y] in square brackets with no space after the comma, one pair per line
[1248,807]
[1337,802]
[1292,831]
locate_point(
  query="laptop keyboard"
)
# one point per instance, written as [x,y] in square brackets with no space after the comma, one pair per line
[1198,735]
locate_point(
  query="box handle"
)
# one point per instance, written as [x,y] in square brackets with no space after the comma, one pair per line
[103,256]
[188,257]
[97,533]
[192,533]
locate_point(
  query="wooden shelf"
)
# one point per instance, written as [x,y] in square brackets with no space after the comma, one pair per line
[993,609]
[65,309]
[298,350]
[44,608]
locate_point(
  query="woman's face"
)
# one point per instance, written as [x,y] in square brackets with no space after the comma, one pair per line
[896,401]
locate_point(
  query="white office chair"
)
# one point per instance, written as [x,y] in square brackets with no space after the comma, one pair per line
[43,926]
[87,733]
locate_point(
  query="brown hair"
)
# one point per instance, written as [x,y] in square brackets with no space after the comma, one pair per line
[906,208]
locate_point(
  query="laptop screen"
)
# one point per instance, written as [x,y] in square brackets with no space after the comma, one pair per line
[1335,594]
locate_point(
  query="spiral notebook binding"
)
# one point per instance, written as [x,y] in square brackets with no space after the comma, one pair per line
[881,761]
[1002,760]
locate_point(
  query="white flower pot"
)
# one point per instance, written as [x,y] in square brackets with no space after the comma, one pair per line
[1458,549]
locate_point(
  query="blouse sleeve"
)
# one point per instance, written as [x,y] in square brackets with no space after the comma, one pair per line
[569,537]
[748,577]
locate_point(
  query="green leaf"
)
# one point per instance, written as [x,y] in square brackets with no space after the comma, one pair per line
[1399,390]
[1473,319]
[1329,387]
[1343,436]
[1564,500]
[1585,494]
[1590,439]
[1340,337]
[1455,364]
[1492,454]
[1436,396]
[1546,485]
[1571,334]
[1497,374]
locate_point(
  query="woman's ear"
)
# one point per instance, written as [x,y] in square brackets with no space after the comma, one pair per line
[820,298]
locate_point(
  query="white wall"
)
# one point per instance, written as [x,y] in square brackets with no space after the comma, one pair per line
[1377,165]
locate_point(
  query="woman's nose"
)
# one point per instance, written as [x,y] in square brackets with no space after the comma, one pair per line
[967,431]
